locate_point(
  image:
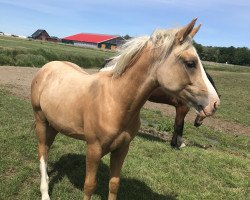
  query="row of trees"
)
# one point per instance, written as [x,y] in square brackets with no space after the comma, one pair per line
[229,55]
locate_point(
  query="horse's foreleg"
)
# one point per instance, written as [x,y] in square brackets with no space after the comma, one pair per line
[181,112]
[93,157]
[46,136]
[116,162]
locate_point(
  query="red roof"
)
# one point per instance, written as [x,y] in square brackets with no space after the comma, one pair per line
[90,37]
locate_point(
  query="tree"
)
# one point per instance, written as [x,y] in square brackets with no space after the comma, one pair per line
[127,37]
[242,56]
[199,49]
[232,55]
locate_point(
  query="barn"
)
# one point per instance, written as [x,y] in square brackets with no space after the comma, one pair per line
[41,34]
[95,40]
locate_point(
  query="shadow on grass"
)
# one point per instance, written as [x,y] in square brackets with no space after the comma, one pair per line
[73,167]
[155,138]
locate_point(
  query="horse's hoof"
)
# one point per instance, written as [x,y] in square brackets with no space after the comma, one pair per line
[182,145]
[45,197]
[173,145]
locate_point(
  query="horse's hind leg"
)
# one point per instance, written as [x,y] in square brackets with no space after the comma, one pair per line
[46,135]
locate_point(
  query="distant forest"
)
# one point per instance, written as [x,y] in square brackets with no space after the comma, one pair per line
[229,55]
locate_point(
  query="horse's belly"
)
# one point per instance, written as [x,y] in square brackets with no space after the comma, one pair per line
[79,136]
[68,129]
[65,118]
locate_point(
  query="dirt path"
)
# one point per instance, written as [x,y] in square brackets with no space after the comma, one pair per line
[17,80]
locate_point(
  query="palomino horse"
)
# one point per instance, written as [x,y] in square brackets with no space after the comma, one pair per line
[103,108]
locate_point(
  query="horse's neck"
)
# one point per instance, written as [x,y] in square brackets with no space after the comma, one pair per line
[136,84]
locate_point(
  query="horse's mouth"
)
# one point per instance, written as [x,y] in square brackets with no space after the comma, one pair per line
[200,116]
[201,111]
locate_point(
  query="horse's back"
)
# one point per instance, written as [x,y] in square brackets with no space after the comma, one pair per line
[50,74]
[55,68]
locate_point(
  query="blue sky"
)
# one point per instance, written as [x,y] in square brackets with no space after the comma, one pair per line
[224,22]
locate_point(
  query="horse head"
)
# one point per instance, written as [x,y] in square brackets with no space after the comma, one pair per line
[179,69]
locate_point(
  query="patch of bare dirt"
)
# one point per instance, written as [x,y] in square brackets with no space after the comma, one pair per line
[213,122]
[18,79]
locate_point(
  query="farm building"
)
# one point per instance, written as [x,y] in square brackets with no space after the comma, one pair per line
[95,40]
[41,34]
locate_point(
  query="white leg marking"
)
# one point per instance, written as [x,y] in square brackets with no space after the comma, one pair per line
[44,187]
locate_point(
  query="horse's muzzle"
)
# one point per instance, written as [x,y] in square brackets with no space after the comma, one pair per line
[210,109]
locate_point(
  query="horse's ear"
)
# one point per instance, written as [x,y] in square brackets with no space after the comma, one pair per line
[185,31]
[195,30]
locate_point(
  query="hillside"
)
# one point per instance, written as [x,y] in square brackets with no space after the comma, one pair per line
[33,53]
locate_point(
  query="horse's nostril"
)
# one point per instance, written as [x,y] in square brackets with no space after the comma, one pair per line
[216,105]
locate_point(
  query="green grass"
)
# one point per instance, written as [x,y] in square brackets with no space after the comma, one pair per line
[234,90]
[22,52]
[152,169]
[225,67]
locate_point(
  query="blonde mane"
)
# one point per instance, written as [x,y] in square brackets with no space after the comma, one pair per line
[130,51]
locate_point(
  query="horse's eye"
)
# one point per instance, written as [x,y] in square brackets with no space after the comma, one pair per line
[190,64]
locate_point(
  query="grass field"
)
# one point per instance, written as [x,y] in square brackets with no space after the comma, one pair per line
[226,67]
[152,169]
[234,90]
[22,52]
